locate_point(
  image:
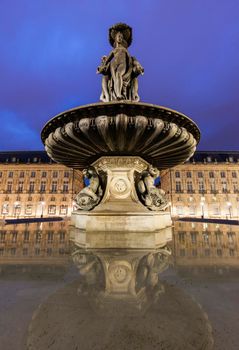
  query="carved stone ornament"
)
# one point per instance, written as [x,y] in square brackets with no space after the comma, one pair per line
[152,197]
[90,195]
[119,69]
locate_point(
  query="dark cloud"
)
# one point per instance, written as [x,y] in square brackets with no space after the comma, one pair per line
[50,51]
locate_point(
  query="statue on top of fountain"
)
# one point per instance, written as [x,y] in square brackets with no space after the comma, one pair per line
[119,69]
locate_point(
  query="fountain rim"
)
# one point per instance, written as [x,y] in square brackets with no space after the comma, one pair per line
[117,107]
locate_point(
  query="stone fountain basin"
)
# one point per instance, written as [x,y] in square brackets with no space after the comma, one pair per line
[161,136]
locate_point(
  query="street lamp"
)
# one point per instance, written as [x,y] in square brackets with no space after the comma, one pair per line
[16,205]
[202,207]
[229,204]
[42,208]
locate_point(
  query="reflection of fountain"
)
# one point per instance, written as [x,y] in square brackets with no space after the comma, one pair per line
[117,141]
[131,277]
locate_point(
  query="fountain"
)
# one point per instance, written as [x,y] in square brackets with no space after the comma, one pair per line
[121,145]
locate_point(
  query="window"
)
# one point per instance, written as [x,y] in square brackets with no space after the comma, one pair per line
[38,237]
[182,252]
[20,187]
[178,186]
[37,251]
[63,209]
[62,237]
[223,174]
[33,174]
[218,236]
[206,237]
[189,186]
[179,209]
[22,174]
[54,186]
[10,174]
[219,252]
[2,237]
[43,186]
[28,209]
[55,174]
[177,173]
[201,187]
[61,251]
[194,252]
[193,237]
[230,236]
[31,186]
[235,186]
[231,252]
[13,251]
[25,251]
[26,236]
[9,187]
[52,209]
[50,237]
[224,186]
[14,237]
[200,174]
[5,208]
[65,186]
[49,251]
[66,174]
[43,174]
[207,252]
[211,174]
[234,174]
[1,251]
[192,210]
[181,237]
[212,186]
[189,174]
[0,174]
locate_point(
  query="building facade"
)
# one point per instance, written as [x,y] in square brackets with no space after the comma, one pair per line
[32,185]
[205,186]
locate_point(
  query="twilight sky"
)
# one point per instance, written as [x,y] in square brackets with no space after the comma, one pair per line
[50,50]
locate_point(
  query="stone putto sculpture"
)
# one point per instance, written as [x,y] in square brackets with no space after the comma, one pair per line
[152,197]
[90,195]
[119,69]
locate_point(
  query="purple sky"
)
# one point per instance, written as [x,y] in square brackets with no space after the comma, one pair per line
[50,50]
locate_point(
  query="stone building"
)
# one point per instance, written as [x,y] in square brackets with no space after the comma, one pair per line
[32,185]
[205,186]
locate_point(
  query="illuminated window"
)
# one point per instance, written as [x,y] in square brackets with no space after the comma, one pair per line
[33,174]
[22,174]
[20,186]
[9,187]
[63,209]
[55,174]
[234,174]
[200,174]
[28,209]
[43,174]
[211,174]
[177,173]
[10,174]
[223,174]
[52,209]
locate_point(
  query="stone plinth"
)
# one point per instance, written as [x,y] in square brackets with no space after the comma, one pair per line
[120,209]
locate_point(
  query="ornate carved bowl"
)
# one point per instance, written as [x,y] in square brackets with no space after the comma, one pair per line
[163,137]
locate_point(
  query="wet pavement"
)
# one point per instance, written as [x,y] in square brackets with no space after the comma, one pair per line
[58,291]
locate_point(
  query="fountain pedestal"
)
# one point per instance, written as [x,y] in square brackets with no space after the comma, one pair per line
[120,209]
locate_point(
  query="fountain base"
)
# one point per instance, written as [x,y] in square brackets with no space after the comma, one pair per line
[120,209]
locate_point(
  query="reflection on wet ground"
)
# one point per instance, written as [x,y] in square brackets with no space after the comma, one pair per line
[61,290]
